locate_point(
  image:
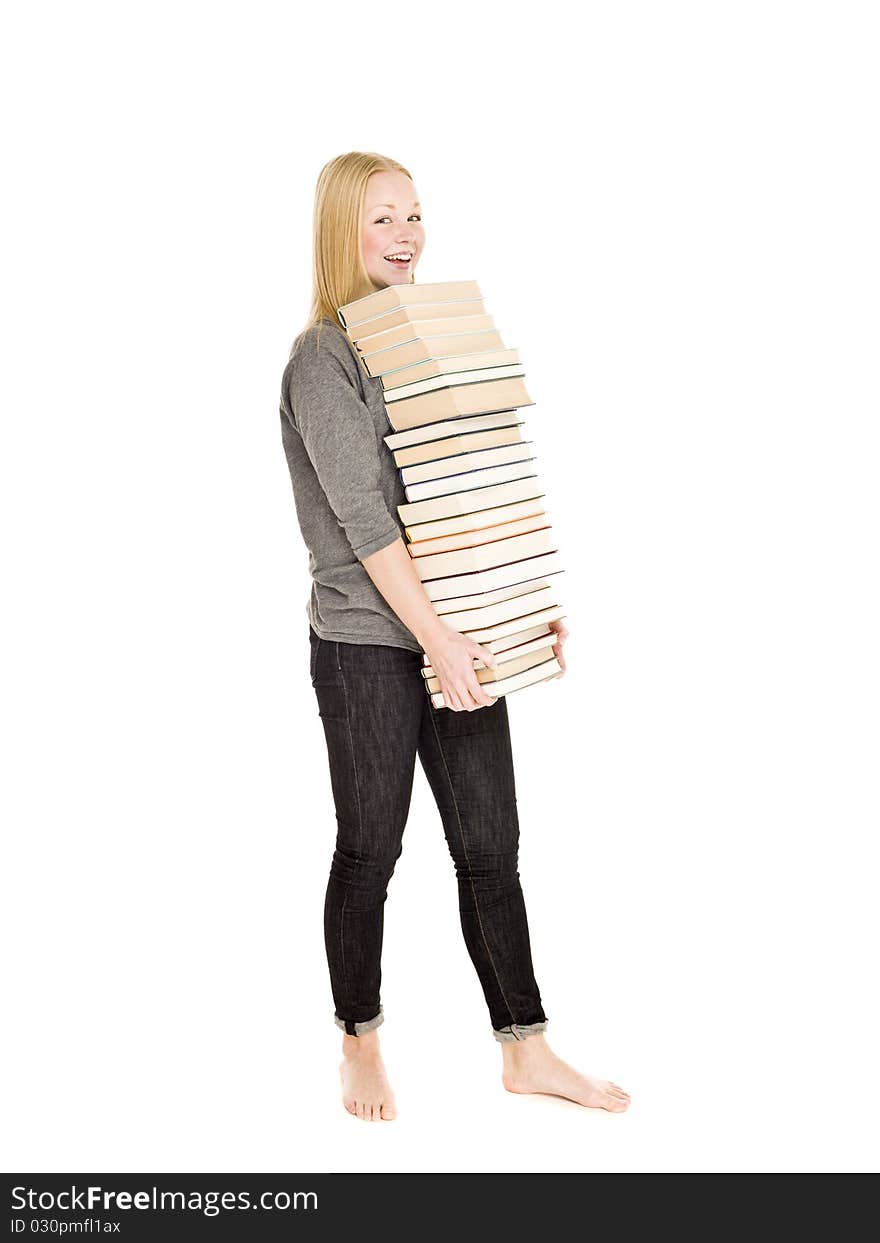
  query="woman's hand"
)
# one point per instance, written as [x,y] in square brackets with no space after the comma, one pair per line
[451,655]
[561,631]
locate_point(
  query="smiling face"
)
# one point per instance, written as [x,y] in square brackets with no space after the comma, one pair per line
[391,225]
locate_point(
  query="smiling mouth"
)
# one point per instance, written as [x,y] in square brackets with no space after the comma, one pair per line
[403,256]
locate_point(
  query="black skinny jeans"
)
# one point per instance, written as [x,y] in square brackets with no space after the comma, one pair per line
[377,715]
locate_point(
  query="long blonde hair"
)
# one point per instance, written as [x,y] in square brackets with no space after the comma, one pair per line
[338,272]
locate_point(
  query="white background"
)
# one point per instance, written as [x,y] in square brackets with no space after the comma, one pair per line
[672,212]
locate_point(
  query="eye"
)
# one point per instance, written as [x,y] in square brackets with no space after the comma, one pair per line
[415,216]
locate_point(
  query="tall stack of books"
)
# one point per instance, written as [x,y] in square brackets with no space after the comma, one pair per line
[475,519]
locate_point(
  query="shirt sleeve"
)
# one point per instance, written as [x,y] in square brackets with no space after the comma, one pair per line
[339,435]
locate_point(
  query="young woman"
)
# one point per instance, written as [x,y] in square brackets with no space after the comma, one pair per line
[369,622]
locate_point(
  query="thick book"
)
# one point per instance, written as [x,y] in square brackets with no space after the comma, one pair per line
[464,340]
[504,670]
[471,539]
[430,432]
[505,610]
[476,523]
[458,401]
[455,603]
[451,446]
[467,480]
[433,370]
[540,673]
[486,556]
[393,296]
[489,634]
[471,459]
[413,314]
[469,375]
[486,580]
[445,329]
[460,503]
[547,638]
[509,642]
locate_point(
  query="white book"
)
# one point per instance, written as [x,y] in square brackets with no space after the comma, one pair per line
[505,686]
[480,523]
[457,504]
[474,459]
[425,310]
[431,383]
[518,623]
[485,478]
[452,427]
[505,610]
[488,597]
[546,639]
[488,580]
[488,556]
[520,636]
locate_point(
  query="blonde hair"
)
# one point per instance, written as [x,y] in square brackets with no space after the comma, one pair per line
[338,272]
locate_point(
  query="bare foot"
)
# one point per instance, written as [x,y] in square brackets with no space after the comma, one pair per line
[366,1092]
[530,1065]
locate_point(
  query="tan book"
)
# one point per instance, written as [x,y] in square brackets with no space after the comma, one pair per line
[406,295]
[505,610]
[504,670]
[489,634]
[456,603]
[443,329]
[508,641]
[458,503]
[499,646]
[470,539]
[430,347]
[539,673]
[471,375]
[413,314]
[488,580]
[461,463]
[475,523]
[486,556]
[452,445]
[451,427]
[468,480]
[457,401]
[546,638]
[435,369]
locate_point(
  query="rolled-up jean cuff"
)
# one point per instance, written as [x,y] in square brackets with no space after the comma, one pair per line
[519,1031]
[358,1029]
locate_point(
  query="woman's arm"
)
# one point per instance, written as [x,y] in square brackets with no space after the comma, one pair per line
[450,652]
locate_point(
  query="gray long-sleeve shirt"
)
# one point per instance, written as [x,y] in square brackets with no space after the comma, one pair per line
[346,485]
